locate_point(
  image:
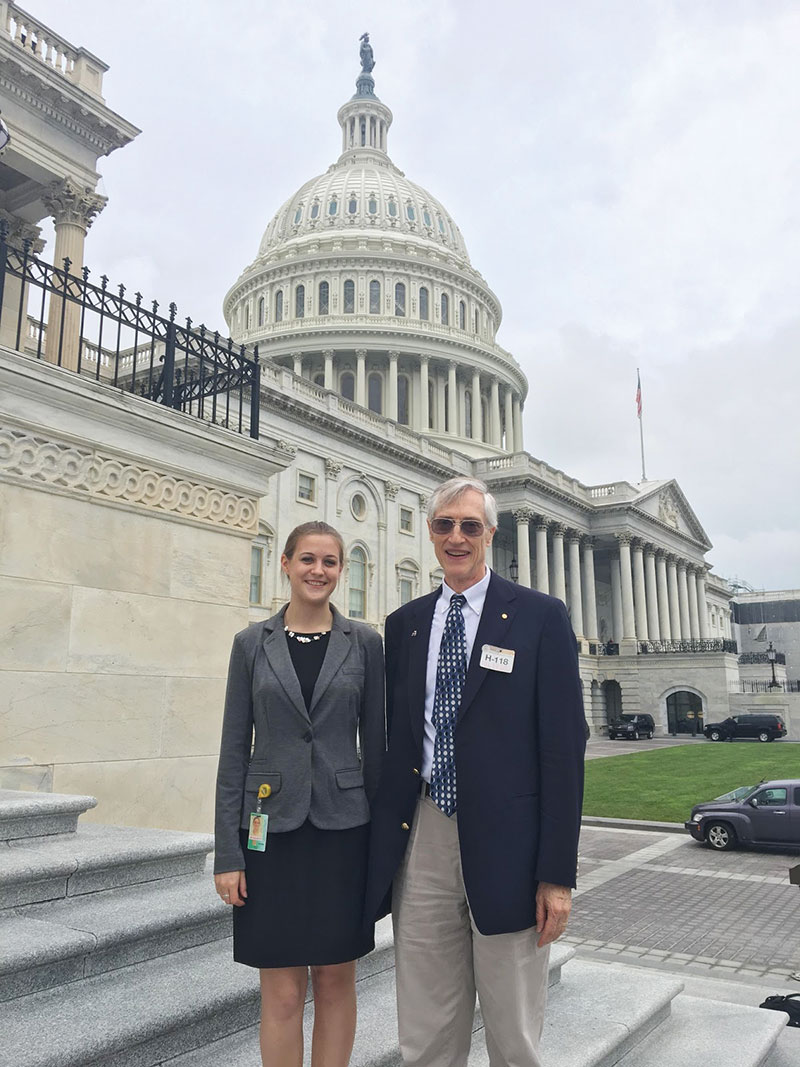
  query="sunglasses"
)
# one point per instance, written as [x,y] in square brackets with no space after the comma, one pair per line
[468,527]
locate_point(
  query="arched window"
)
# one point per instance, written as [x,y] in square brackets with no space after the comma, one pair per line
[314,211]
[445,309]
[261,312]
[477,321]
[349,297]
[357,582]
[298,215]
[333,207]
[481,434]
[392,208]
[300,302]
[324,298]
[374,298]
[424,310]
[431,403]
[426,218]
[247,316]
[279,306]
[363,132]
[372,206]
[403,395]
[400,299]
[347,386]
[352,205]
[410,212]
[447,408]
[462,315]
[375,393]
[468,413]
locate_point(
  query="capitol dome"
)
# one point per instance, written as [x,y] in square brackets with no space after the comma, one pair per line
[363,284]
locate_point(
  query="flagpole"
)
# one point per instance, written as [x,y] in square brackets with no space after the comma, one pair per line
[639,413]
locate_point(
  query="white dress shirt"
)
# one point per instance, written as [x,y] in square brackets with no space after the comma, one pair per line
[475,595]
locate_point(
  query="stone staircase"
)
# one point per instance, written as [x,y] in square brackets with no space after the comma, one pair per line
[115,952]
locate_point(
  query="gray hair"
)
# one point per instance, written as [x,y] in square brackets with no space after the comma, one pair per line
[452,490]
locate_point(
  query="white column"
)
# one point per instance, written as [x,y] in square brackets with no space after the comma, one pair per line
[589,595]
[683,599]
[392,407]
[495,434]
[522,517]
[616,602]
[663,597]
[509,406]
[478,431]
[626,586]
[651,595]
[361,377]
[424,413]
[297,364]
[559,578]
[452,399]
[694,620]
[639,602]
[328,354]
[517,423]
[672,588]
[702,606]
[542,576]
[575,597]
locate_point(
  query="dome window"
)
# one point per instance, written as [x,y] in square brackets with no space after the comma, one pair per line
[426,218]
[315,211]
[462,315]
[373,206]
[403,395]
[324,298]
[347,386]
[374,298]
[441,225]
[279,306]
[400,300]
[298,215]
[261,311]
[333,207]
[445,309]
[410,212]
[375,393]
[424,304]
[300,302]
[349,297]
[392,209]
[352,206]
[247,317]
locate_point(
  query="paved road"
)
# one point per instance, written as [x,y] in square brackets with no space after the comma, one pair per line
[663,900]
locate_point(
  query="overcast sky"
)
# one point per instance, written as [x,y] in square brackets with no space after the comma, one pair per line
[625,173]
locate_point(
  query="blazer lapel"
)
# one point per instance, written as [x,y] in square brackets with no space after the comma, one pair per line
[339,644]
[280,662]
[498,613]
[419,638]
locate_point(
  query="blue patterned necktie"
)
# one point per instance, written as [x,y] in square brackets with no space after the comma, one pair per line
[451,670]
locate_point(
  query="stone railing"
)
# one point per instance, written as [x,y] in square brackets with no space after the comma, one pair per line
[691,645]
[524,465]
[75,64]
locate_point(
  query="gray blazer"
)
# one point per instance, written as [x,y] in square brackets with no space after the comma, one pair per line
[309,759]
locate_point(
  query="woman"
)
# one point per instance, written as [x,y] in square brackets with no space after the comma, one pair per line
[293,862]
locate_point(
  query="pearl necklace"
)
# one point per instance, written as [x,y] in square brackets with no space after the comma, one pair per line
[305,639]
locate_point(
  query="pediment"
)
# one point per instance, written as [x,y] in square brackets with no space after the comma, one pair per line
[667,503]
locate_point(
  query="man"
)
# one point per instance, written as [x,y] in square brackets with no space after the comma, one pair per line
[478,810]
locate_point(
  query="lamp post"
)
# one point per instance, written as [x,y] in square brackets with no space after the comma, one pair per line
[772,655]
[513,569]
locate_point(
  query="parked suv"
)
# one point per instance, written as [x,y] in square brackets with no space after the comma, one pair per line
[632,727]
[763,727]
[763,814]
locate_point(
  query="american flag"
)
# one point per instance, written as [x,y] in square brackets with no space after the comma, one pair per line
[638,394]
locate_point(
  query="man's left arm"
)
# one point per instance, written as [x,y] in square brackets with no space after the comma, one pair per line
[561,754]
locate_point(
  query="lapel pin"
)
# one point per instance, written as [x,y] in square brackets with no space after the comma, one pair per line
[504,616]
[413,633]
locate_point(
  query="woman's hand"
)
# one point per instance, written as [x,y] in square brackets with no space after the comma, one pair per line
[232,887]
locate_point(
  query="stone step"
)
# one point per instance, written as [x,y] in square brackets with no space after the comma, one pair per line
[95,858]
[134,1017]
[376,1037]
[63,941]
[711,1033]
[786,1052]
[26,815]
[594,1022]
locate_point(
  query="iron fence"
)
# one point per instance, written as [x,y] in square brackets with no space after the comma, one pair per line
[758,686]
[761,657]
[694,644]
[93,330]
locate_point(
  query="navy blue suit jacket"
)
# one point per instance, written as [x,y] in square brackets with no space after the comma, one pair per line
[519,747]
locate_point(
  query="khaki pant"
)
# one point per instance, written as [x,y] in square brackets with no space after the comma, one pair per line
[442,960]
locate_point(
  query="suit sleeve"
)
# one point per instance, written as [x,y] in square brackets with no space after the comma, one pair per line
[392,652]
[234,756]
[372,721]
[561,750]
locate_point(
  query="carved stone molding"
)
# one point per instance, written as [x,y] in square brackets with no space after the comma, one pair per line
[542,523]
[623,538]
[20,231]
[559,529]
[95,475]
[287,448]
[524,516]
[423,502]
[71,203]
[668,508]
[332,469]
[391,489]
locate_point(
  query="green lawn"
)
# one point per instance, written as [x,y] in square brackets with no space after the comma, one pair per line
[665,783]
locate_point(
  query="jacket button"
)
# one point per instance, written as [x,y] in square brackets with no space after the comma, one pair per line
[416,770]
[404,826]
[307,735]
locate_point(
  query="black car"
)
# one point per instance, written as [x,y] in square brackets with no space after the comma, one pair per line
[762,727]
[632,727]
[763,814]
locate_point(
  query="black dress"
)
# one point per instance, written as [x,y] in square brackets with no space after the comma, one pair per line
[305,892]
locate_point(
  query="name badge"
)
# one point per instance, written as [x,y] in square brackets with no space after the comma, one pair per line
[497,659]
[257,833]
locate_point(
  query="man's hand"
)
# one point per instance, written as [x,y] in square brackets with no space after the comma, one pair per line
[232,887]
[553,905]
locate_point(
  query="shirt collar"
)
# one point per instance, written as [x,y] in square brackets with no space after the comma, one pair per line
[475,595]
